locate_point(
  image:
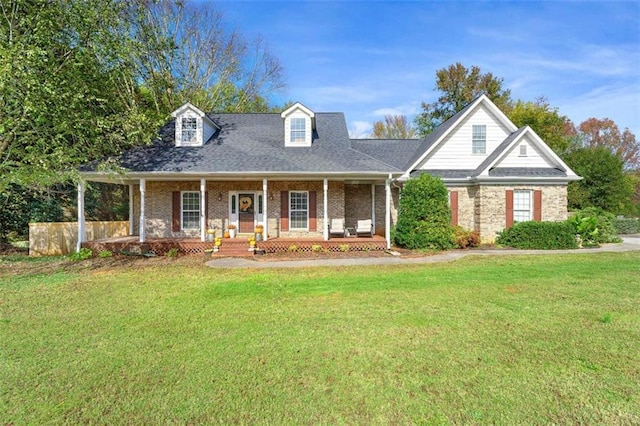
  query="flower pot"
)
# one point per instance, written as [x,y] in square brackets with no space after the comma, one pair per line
[232,233]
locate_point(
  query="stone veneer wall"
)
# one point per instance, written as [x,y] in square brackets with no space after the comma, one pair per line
[491,207]
[466,206]
[158,207]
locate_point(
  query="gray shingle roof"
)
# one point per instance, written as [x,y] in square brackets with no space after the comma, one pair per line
[255,143]
[396,152]
[527,172]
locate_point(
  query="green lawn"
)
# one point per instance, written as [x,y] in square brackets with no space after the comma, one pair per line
[540,339]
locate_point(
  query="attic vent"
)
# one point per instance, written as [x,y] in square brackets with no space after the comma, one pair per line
[523,150]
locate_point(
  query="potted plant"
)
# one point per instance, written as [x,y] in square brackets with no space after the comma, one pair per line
[211,234]
[232,230]
[258,231]
[252,243]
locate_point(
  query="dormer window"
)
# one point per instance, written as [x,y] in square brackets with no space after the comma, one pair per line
[193,127]
[189,130]
[298,130]
[298,125]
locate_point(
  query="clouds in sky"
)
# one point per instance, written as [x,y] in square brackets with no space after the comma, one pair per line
[370,59]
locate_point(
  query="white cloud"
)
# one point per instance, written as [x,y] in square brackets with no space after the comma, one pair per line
[360,129]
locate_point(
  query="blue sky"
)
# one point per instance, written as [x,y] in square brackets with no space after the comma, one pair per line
[368,59]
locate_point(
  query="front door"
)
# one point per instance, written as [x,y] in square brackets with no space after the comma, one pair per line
[246,213]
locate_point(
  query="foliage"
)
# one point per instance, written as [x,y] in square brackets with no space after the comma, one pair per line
[465,239]
[172,252]
[459,86]
[293,248]
[344,248]
[424,217]
[604,223]
[83,254]
[627,226]
[606,133]
[586,229]
[395,344]
[105,253]
[556,130]
[393,127]
[20,205]
[316,248]
[604,183]
[539,236]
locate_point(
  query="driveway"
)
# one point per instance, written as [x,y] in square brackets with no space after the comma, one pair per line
[630,243]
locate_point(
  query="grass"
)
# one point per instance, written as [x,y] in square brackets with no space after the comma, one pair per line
[510,340]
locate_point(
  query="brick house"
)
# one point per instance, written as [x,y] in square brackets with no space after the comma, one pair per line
[293,172]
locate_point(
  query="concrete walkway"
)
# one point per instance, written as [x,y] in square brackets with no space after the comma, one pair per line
[630,243]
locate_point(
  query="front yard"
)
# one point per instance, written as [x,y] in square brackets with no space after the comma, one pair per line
[510,340]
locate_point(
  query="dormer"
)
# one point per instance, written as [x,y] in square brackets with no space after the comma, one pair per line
[299,122]
[193,127]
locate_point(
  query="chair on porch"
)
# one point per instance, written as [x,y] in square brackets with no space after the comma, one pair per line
[364,227]
[336,227]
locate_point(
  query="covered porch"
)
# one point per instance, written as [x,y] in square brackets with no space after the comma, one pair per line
[239,246]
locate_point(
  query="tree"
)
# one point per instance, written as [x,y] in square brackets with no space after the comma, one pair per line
[556,130]
[186,55]
[424,219]
[605,133]
[604,183]
[458,87]
[393,127]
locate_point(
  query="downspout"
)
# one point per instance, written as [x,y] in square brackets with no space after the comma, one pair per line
[82,235]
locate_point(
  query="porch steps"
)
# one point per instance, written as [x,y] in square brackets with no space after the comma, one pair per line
[233,248]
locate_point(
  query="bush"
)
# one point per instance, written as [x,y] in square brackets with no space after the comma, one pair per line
[172,252]
[606,231]
[627,226]
[83,254]
[105,253]
[465,239]
[539,236]
[424,217]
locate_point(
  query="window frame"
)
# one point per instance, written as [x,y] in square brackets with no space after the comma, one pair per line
[185,130]
[183,210]
[478,144]
[518,213]
[294,129]
[292,210]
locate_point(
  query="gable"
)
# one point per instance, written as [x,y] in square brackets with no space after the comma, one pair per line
[192,126]
[455,150]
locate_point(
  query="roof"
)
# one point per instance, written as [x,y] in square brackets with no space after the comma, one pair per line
[395,152]
[255,143]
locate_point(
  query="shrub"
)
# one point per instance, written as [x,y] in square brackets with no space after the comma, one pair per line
[172,252]
[83,254]
[627,226]
[293,248]
[344,248]
[539,235]
[465,239]
[105,253]
[424,217]
[606,231]
[316,248]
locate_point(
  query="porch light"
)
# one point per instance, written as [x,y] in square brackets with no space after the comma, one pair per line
[219,196]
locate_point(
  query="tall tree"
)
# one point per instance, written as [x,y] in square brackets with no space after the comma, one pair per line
[187,55]
[604,183]
[594,132]
[556,130]
[458,86]
[393,127]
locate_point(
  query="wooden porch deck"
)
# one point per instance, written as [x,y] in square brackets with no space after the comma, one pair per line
[234,247]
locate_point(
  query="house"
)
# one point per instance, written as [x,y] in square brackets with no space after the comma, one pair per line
[293,172]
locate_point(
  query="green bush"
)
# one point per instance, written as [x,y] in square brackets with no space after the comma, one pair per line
[539,236]
[424,217]
[606,230]
[627,226]
[83,254]
[172,252]
[105,253]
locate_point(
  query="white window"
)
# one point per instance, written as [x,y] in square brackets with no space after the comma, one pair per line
[523,150]
[479,139]
[299,210]
[521,206]
[298,133]
[189,130]
[190,210]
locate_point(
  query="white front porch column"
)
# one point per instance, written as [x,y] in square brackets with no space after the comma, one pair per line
[142,212]
[265,214]
[203,210]
[130,209]
[387,212]
[82,235]
[325,213]
[373,206]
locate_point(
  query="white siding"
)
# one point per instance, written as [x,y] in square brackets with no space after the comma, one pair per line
[454,151]
[534,157]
